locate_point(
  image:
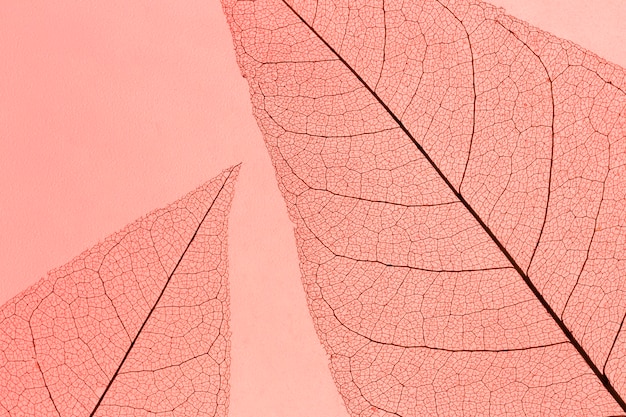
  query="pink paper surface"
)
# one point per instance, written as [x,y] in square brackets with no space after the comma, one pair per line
[109,110]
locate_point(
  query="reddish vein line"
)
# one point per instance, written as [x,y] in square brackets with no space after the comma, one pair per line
[601,376]
[169,278]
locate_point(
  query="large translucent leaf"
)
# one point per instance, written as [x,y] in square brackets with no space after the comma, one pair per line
[457,181]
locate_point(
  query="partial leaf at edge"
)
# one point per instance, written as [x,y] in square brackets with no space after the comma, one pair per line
[137,325]
[457,182]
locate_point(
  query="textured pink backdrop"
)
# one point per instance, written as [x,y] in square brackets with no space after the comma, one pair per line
[111,109]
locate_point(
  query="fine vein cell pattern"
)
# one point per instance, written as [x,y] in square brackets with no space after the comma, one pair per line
[457,181]
[138,325]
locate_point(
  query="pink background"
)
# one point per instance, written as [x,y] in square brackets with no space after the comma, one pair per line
[111,109]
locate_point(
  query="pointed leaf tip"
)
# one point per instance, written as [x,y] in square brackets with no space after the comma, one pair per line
[136,325]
